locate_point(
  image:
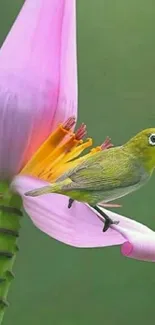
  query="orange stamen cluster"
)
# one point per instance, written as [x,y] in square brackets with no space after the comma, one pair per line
[58,152]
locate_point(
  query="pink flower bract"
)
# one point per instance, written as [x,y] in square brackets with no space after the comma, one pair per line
[38,79]
[38,89]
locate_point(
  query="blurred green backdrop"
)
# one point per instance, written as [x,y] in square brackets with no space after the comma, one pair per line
[60,285]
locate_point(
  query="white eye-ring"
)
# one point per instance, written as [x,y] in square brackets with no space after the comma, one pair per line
[152,139]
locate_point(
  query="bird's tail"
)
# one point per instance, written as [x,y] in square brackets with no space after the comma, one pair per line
[53,188]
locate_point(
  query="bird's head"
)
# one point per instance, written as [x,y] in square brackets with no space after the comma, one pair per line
[142,145]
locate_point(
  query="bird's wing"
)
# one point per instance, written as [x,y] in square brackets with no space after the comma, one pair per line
[105,170]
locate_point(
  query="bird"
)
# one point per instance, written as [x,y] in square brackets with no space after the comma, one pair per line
[107,175]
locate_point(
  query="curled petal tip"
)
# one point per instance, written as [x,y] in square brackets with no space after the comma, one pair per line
[126,249]
[140,246]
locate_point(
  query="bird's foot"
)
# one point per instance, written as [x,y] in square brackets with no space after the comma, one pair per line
[70,203]
[107,221]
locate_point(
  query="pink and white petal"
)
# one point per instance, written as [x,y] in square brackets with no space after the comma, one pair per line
[139,239]
[140,246]
[31,91]
[68,97]
[80,227]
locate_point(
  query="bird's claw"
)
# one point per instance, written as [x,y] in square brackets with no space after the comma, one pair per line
[108,222]
[70,203]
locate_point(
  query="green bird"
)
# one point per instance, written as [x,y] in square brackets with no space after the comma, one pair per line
[108,175]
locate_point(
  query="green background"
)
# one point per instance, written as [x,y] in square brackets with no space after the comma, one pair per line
[60,285]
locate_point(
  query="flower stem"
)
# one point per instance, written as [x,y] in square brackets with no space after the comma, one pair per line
[10,215]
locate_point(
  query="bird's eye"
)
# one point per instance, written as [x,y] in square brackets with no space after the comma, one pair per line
[152,139]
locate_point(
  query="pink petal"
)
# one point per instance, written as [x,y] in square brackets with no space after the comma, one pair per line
[38,79]
[80,227]
[67,99]
[139,246]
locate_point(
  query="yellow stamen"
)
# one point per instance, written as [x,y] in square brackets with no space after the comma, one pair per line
[65,163]
[72,154]
[97,149]
[59,153]
[61,147]
[45,150]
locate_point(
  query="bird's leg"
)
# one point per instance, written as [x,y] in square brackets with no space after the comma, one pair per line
[108,221]
[70,203]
